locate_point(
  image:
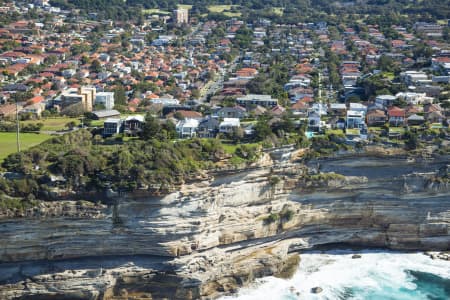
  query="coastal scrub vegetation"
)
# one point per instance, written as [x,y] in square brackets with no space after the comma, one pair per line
[78,162]
[285,215]
[82,162]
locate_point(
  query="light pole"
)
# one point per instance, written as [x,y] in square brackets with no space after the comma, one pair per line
[17,127]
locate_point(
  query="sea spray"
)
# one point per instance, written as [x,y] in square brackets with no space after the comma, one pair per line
[375,275]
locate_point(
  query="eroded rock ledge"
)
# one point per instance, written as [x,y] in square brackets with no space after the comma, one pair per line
[212,237]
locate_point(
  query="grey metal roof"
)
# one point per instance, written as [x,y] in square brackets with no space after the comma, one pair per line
[106,113]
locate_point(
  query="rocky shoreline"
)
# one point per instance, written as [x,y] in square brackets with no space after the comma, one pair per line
[439,255]
[214,236]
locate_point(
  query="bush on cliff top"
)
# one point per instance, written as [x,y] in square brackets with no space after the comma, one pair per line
[86,166]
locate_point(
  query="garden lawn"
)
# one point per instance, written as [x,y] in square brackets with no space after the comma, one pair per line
[152,11]
[278,11]
[27,140]
[219,8]
[52,124]
[225,10]
[232,14]
[334,131]
[184,6]
[230,147]
[397,129]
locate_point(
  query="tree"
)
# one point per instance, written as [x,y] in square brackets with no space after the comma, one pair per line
[195,94]
[72,168]
[123,162]
[422,50]
[98,139]
[244,37]
[119,96]
[411,140]
[262,129]
[73,110]
[151,129]
[51,60]
[149,37]
[169,130]
[85,60]
[385,63]
[71,125]
[96,66]
[237,135]
[211,74]
[45,114]
[178,116]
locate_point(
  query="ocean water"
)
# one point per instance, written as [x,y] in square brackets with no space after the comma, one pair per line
[375,276]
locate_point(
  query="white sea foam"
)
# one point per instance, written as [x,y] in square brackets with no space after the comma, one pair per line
[376,273]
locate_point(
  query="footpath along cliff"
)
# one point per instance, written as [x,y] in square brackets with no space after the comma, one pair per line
[216,235]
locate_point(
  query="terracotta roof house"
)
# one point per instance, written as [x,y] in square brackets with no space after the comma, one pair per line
[35,99]
[185,114]
[396,116]
[8,110]
[278,110]
[435,117]
[300,108]
[246,73]
[259,110]
[376,117]
[413,109]
[429,108]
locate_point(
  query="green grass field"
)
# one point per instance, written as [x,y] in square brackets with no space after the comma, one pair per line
[230,148]
[335,131]
[185,6]
[388,75]
[219,8]
[278,10]
[232,14]
[155,11]
[397,129]
[27,140]
[52,124]
[224,9]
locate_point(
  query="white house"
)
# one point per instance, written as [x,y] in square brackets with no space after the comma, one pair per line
[229,124]
[112,126]
[104,57]
[385,100]
[314,122]
[414,98]
[36,109]
[165,101]
[414,77]
[355,119]
[252,99]
[358,107]
[320,108]
[187,128]
[106,99]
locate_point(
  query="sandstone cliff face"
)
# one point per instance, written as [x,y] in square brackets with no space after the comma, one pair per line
[212,236]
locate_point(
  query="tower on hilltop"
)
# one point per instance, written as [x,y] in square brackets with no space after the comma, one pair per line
[181,15]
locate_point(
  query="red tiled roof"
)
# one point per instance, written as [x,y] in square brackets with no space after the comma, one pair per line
[187,114]
[300,105]
[34,100]
[7,109]
[396,112]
